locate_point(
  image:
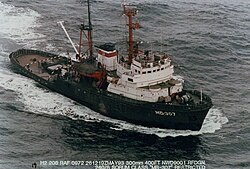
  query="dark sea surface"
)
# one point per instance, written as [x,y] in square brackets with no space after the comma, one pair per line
[209,42]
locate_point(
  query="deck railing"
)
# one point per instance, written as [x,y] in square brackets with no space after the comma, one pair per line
[22,52]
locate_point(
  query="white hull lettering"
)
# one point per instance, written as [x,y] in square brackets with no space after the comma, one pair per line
[162,113]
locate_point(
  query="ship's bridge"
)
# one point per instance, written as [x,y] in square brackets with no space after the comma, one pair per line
[147,69]
[148,78]
[149,59]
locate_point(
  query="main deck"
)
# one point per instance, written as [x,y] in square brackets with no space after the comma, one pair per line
[33,61]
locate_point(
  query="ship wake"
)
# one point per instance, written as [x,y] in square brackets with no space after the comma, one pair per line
[11,16]
[42,101]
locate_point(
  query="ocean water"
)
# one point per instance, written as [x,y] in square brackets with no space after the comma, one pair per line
[209,42]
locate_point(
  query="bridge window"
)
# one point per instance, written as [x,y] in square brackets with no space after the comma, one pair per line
[143,72]
[149,71]
[129,79]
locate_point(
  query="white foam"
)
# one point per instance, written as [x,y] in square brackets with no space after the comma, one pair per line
[36,99]
[212,122]
[18,23]
[39,100]
[44,101]
[2,53]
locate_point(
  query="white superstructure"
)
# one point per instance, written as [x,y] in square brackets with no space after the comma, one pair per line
[144,76]
[148,78]
[108,59]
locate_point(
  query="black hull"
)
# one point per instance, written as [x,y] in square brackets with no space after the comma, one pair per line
[160,115]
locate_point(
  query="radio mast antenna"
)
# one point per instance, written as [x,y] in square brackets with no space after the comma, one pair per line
[131,11]
[89,29]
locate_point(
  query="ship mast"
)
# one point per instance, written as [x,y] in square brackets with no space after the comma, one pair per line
[89,29]
[90,33]
[131,11]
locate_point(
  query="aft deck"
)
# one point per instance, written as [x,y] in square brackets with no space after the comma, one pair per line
[33,64]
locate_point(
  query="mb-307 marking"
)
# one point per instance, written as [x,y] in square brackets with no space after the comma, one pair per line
[162,113]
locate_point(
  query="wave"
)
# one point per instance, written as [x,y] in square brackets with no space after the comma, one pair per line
[18,24]
[212,122]
[43,101]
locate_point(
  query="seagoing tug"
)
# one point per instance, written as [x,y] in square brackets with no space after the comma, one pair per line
[139,87]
